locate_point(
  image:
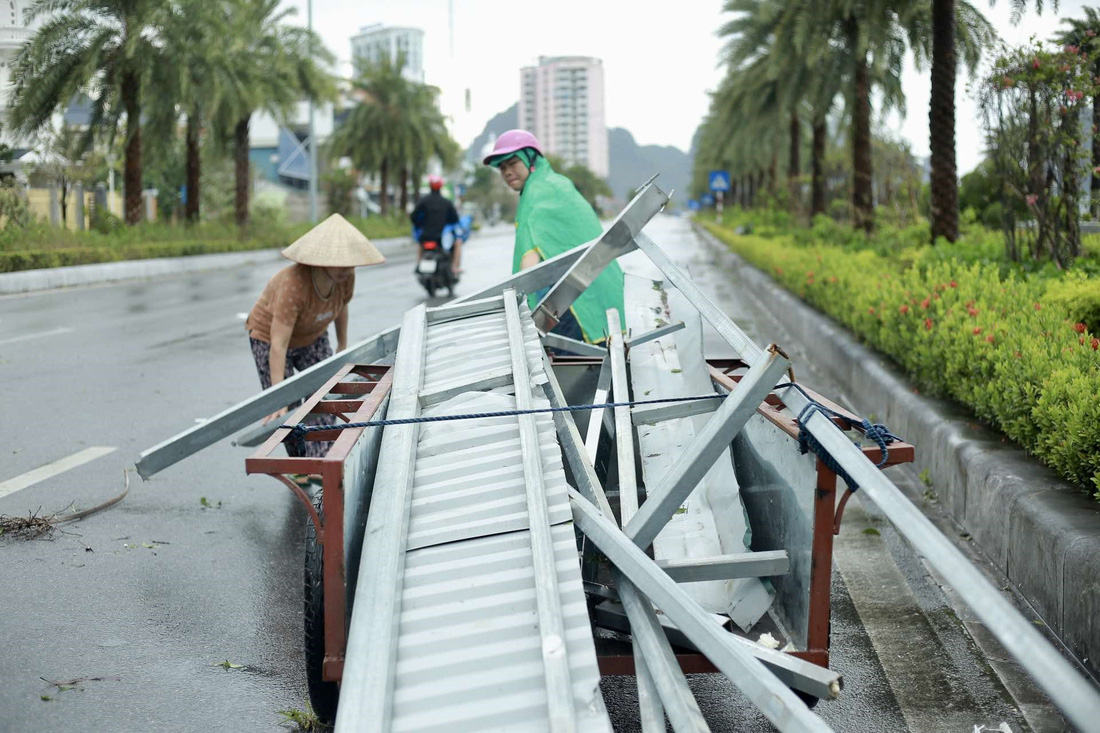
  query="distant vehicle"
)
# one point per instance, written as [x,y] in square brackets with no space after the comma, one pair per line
[433,271]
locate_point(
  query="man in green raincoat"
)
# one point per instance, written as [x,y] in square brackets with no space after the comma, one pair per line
[552,218]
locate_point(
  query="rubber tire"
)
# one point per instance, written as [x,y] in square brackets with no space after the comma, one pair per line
[323,695]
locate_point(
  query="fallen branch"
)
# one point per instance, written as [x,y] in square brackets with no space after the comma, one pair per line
[35,525]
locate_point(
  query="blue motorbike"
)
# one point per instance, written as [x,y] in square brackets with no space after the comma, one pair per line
[433,271]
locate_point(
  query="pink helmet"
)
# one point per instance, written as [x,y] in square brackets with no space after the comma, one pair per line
[512,141]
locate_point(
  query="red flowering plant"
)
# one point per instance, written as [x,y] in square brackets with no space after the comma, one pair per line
[1033,104]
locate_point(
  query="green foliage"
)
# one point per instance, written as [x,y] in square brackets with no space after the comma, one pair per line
[340,186]
[988,336]
[1078,296]
[14,211]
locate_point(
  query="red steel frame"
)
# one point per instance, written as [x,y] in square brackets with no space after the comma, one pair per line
[330,467]
[827,517]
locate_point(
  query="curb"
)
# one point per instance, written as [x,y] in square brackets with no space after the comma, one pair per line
[29,281]
[1041,532]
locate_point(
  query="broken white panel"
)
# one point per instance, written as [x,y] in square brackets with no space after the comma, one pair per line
[712,520]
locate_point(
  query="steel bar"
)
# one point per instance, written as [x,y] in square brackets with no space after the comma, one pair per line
[533,279]
[610,614]
[565,343]
[366,695]
[229,421]
[444,391]
[655,334]
[774,699]
[658,667]
[768,563]
[596,419]
[651,713]
[676,485]
[465,309]
[653,414]
[1067,688]
[572,447]
[256,434]
[616,241]
[551,624]
[651,648]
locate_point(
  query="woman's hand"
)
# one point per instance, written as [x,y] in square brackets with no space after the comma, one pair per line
[276,415]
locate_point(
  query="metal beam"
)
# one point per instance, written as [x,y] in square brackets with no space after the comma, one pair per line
[596,419]
[444,391]
[655,334]
[286,392]
[616,241]
[551,621]
[624,432]
[774,699]
[581,348]
[366,692]
[766,564]
[1067,688]
[676,485]
[653,414]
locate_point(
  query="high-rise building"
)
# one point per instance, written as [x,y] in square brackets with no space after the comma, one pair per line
[561,102]
[378,41]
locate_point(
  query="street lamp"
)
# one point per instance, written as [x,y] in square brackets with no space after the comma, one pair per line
[312,139]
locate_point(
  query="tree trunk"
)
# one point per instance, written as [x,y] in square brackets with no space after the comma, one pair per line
[63,201]
[752,191]
[404,190]
[941,123]
[241,173]
[862,172]
[131,178]
[744,191]
[773,173]
[1094,206]
[193,165]
[817,202]
[384,194]
[794,163]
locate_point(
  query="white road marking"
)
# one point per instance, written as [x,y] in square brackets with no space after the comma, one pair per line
[30,478]
[29,336]
[242,316]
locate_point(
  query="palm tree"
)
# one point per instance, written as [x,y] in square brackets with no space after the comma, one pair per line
[274,65]
[1084,33]
[393,129]
[101,47]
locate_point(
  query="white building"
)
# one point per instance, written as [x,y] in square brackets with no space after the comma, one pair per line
[378,41]
[562,103]
[13,34]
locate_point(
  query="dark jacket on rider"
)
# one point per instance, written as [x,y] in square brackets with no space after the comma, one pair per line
[432,213]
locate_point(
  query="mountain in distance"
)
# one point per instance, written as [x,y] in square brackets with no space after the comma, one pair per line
[631,164]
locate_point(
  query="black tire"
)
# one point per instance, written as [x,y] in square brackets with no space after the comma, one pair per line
[323,695]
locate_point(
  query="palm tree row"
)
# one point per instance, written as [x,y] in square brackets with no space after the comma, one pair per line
[790,60]
[394,129]
[153,63]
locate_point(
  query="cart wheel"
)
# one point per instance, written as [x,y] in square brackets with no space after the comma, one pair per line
[323,695]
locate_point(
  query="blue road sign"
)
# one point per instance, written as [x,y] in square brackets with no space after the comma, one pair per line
[694,205]
[708,199]
[719,181]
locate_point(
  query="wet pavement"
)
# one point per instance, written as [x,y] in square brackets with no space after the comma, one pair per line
[203,564]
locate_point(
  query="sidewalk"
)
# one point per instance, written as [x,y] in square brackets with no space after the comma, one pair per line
[29,281]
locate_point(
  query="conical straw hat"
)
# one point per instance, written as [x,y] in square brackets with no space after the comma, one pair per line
[334,243]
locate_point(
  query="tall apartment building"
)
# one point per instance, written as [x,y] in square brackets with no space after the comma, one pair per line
[562,103]
[377,41]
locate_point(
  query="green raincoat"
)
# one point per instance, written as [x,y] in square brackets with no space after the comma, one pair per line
[552,218]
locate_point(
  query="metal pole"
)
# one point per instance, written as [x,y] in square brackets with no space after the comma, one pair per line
[312,139]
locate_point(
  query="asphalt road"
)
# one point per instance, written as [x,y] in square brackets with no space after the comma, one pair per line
[139,604]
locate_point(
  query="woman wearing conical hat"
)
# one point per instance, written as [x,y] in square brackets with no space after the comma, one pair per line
[288,326]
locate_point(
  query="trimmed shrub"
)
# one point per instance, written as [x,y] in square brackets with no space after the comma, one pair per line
[996,341]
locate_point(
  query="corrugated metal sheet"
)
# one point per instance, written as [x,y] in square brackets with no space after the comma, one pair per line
[469,652]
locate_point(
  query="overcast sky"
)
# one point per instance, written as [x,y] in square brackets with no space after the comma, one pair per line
[660,58]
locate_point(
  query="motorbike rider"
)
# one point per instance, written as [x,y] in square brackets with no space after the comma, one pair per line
[432,213]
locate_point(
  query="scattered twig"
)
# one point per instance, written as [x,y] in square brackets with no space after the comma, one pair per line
[36,525]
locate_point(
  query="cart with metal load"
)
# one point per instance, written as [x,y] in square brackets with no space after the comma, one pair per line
[498,527]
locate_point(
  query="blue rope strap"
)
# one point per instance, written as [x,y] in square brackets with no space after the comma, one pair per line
[877,432]
[298,432]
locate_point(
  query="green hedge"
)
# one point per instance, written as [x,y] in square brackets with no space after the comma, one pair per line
[37,246]
[1003,343]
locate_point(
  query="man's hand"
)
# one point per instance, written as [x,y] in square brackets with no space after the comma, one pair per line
[276,415]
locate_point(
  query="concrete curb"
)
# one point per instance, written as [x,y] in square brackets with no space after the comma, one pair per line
[27,281]
[1040,531]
